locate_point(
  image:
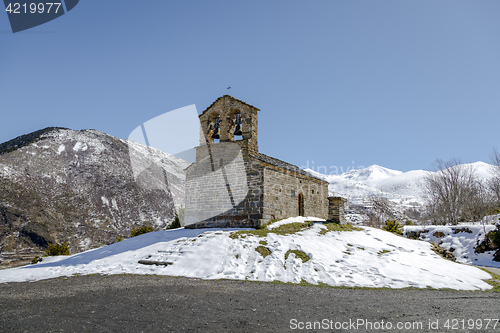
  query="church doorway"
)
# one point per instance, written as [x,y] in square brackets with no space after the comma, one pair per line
[301,204]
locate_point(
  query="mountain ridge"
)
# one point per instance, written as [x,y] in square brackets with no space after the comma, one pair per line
[400,193]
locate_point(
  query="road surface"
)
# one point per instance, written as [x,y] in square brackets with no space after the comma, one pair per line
[134,303]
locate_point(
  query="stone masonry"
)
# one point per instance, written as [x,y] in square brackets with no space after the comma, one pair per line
[233,185]
[336,209]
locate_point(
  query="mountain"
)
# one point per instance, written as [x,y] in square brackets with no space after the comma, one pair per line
[395,194]
[84,187]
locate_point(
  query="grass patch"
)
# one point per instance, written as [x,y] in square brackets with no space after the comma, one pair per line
[265,225]
[299,254]
[303,283]
[263,242]
[381,252]
[263,251]
[324,285]
[292,228]
[494,281]
[332,226]
[284,229]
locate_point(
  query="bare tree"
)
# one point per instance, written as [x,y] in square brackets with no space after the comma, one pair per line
[476,203]
[494,183]
[454,193]
[380,211]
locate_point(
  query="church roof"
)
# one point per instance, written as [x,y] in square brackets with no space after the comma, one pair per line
[232,98]
[285,165]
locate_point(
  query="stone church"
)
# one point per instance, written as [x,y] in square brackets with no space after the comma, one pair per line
[231,184]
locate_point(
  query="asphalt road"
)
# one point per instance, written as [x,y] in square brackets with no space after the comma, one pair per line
[128,303]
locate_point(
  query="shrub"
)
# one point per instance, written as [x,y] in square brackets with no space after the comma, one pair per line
[57,249]
[393,226]
[141,230]
[495,236]
[36,260]
[175,224]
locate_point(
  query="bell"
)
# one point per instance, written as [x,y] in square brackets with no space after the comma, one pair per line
[237,130]
[216,128]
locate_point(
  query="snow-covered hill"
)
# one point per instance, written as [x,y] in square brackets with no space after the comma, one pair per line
[365,258]
[82,187]
[403,191]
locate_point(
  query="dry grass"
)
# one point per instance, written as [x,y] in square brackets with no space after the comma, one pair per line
[331,226]
[299,254]
[285,229]
[494,281]
[263,251]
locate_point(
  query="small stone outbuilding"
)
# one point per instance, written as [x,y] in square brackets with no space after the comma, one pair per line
[231,184]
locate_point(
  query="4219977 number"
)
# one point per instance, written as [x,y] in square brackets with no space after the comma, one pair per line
[33,8]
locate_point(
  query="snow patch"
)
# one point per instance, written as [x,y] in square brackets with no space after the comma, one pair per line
[114,204]
[77,146]
[299,219]
[61,149]
[367,258]
[80,146]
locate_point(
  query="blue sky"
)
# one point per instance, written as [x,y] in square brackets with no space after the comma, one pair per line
[341,83]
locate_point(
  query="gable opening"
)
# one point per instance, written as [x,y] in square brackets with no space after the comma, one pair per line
[235,125]
[214,130]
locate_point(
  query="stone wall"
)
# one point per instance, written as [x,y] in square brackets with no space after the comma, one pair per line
[223,188]
[336,209]
[244,191]
[282,188]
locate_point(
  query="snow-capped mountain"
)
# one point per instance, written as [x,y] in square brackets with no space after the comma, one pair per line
[375,181]
[82,187]
[402,193]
